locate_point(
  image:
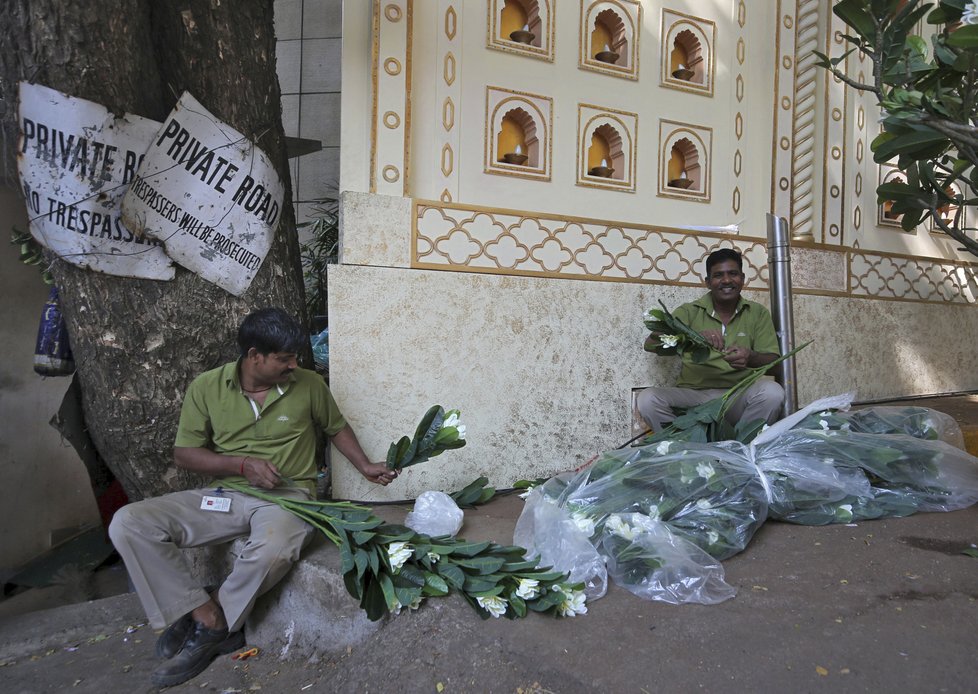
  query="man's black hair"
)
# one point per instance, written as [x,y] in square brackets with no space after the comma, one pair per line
[270,330]
[721,255]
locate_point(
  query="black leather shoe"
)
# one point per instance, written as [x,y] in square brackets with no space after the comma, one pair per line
[173,637]
[202,646]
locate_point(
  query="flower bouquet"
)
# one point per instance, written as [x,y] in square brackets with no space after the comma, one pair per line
[438,431]
[388,567]
[674,336]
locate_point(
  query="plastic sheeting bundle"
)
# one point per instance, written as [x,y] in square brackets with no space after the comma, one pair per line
[659,518]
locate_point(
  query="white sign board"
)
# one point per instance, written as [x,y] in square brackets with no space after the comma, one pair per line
[209,195]
[75,161]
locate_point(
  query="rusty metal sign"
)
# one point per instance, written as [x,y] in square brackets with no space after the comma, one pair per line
[75,161]
[209,195]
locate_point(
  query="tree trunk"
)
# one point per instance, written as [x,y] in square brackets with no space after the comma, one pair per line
[138,343]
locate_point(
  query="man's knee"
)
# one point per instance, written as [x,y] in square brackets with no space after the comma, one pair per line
[768,395]
[649,401]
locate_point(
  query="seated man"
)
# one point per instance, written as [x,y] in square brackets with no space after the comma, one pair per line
[253,420]
[743,333]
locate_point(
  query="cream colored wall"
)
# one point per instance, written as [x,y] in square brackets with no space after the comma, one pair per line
[45,485]
[543,365]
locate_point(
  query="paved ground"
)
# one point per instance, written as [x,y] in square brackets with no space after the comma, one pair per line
[882,605]
[889,604]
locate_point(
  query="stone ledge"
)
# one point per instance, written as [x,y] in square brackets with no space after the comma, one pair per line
[309,612]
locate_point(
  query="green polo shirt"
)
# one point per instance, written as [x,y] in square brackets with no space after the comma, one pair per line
[217,415]
[750,327]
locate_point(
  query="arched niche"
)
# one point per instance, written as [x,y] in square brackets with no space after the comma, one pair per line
[686,59]
[684,160]
[522,26]
[684,165]
[517,16]
[606,151]
[688,52]
[609,37]
[518,133]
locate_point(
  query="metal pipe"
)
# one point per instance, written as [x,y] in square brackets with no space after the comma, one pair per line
[779,271]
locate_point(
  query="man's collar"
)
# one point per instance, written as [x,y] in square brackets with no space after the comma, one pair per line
[706,303]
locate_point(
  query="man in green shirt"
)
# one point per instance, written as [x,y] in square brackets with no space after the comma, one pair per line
[742,333]
[253,420]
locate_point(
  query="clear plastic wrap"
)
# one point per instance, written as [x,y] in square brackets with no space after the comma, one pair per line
[435,513]
[661,516]
[918,422]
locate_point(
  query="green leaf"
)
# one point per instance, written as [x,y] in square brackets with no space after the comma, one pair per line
[518,605]
[360,560]
[917,141]
[964,37]
[461,548]
[453,575]
[476,585]
[481,565]
[971,552]
[435,585]
[855,14]
[353,585]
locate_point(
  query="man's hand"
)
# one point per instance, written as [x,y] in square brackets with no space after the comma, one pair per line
[715,338]
[260,473]
[737,357]
[378,473]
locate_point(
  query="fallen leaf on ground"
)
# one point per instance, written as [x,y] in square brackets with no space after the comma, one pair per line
[821,670]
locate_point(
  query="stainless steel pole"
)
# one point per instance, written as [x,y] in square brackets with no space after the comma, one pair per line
[779,271]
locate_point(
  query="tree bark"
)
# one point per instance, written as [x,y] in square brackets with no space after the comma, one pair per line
[139,343]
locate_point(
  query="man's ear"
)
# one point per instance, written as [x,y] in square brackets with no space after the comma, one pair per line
[251,354]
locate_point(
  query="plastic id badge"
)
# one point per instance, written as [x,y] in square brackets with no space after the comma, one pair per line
[221,504]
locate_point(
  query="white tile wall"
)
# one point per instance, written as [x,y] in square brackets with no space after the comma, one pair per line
[308,65]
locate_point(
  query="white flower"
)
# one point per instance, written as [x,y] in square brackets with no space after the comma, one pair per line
[663,448]
[844,512]
[970,15]
[822,423]
[526,493]
[616,526]
[705,470]
[461,431]
[712,536]
[668,341]
[573,604]
[654,512]
[494,605]
[703,505]
[846,427]
[451,419]
[528,588]
[398,553]
[584,523]
[415,604]
[433,557]
[825,414]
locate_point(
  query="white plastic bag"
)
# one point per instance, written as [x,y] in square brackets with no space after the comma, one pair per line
[434,514]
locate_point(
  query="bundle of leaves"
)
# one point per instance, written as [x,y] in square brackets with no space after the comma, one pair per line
[387,567]
[673,336]
[438,431]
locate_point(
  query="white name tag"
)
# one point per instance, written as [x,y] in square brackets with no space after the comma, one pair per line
[215,503]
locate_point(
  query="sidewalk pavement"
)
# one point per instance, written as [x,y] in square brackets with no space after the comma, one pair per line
[888,604]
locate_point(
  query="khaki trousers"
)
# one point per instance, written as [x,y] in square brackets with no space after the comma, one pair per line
[149,535]
[762,400]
